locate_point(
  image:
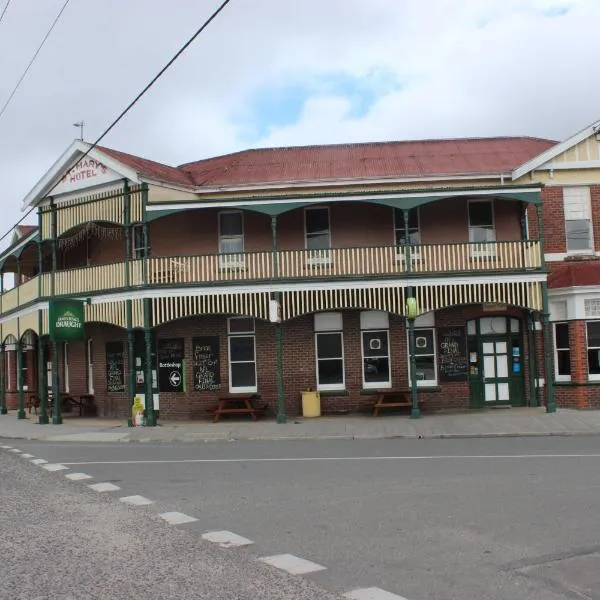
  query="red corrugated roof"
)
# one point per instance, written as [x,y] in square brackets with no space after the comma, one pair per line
[563,275]
[426,158]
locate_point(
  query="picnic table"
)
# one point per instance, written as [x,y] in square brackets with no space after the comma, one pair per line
[392,399]
[241,404]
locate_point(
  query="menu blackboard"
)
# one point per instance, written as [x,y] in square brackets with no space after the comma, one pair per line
[207,376]
[171,376]
[452,353]
[115,367]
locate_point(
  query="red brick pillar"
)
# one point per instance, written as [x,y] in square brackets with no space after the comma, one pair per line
[579,369]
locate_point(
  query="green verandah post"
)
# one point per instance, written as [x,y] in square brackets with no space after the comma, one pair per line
[281,412]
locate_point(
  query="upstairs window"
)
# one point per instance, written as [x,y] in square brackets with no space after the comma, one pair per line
[481,221]
[414,233]
[318,234]
[578,219]
[137,241]
[231,232]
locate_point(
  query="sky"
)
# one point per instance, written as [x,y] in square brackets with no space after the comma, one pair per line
[288,72]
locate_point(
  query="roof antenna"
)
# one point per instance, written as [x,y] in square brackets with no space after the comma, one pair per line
[80,124]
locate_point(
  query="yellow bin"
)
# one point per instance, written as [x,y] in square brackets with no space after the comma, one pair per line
[311,404]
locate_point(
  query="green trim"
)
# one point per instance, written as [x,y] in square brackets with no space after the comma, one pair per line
[127,225]
[56,412]
[568,384]
[146,256]
[548,352]
[150,413]
[42,383]
[3,407]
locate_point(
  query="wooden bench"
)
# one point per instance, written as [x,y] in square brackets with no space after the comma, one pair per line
[230,405]
[392,399]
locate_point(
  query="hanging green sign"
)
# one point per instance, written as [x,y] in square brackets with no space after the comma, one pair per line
[66,320]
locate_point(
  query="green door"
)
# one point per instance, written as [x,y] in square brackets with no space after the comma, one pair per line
[495,371]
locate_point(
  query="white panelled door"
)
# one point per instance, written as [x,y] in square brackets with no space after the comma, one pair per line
[495,371]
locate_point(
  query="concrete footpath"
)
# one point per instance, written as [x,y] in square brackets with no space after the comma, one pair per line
[487,423]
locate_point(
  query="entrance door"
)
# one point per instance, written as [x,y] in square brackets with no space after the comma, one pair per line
[496,386]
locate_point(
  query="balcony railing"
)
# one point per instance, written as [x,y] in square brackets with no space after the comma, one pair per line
[425,259]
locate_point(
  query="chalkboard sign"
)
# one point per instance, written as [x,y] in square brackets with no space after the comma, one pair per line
[115,367]
[171,372]
[205,352]
[452,354]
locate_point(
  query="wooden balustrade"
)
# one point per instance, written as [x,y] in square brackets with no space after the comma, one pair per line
[291,264]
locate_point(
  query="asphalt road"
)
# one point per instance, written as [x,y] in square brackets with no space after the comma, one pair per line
[492,519]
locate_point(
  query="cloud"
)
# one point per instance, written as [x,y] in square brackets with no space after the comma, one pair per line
[272,72]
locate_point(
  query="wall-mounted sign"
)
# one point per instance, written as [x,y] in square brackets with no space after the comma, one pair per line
[89,172]
[171,365]
[115,367]
[207,375]
[452,353]
[66,318]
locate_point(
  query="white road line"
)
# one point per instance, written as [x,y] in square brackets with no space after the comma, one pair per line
[6,447]
[39,461]
[372,594]
[16,451]
[26,455]
[136,500]
[226,539]
[177,518]
[330,458]
[104,487]
[54,467]
[292,564]
[78,476]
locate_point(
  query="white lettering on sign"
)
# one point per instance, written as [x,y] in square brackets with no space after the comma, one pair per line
[68,321]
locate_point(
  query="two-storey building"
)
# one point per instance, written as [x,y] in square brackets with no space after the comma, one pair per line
[345,269]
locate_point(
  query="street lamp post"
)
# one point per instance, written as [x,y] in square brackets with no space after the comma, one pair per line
[411,314]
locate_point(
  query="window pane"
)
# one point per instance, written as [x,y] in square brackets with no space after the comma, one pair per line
[243,375]
[241,348]
[329,345]
[318,241]
[593,334]
[317,220]
[480,214]
[231,245]
[594,362]
[578,235]
[376,369]
[331,372]
[241,325]
[424,341]
[563,358]
[231,224]
[562,335]
[413,218]
[481,234]
[413,236]
[375,343]
[425,368]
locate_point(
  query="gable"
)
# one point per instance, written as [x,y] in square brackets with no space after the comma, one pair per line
[87,173]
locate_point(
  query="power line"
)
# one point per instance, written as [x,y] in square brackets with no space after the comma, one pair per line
[33,58]
[131,104]
[4,10]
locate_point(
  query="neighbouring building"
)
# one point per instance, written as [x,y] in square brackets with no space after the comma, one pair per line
[275,271]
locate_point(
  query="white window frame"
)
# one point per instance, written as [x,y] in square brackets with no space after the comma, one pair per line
[90,365]
[375,322]
[137,252]
[591,376]
[8,372]
[557,376]
[318,257]
[237,334]
[422,323]
[66,374]
[233,260]
[24,369]
[330,323]
[489,251]
[415,251]
[570,195]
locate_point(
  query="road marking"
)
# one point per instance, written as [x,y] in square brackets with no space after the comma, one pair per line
[292,564]
[54,467]
[77,476]
[226,539]
[372,594]
[6,447]
[104,487]
[26,455]
[329,458]
[136,500]
[39,461]
[16,451]
[177,518]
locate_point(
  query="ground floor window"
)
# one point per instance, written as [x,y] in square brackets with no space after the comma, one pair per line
[242,355]
[329,342]
[593,349]
[562,352]
[375,349]
[24,369]
[425,356]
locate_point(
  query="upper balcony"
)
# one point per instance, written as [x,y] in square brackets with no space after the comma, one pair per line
[343,241]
